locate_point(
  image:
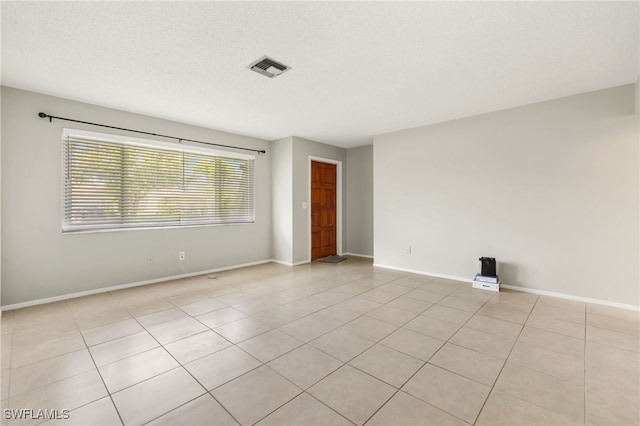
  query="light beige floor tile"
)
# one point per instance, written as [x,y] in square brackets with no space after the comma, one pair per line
[24,355]
[154,397]
[441,330]
[559,396]
[565,367]
[237,297]
[242,329]
[391,315]
[111,331]
[553,341]
[628,342]
[352,393]
[409,304]
[561,303]
[443,313]
[566,328]
[489,344]
[406,410]
[386,364]
[253,396]
[45,372]
[123,347]
[196,346]
[620,323]
[307,328]
[98,413]
[369,328]
[393,288]
[147,308]
[129,371]
[511,304]
[304,410]
[438,285]
[610,311]
[202,411]
[91,320]
[608,409]
[359,305]
[470,364]
[69,393]
[378,296]
[191,298]
[178,329]
[335,316]
[470,293]
[426,296]
[305,365]
[157,318]
[502,409]
[450,392]
[270,345]
[220,367]
[504,313]
[571,315]
[341,344]
[282,315]
[613,380]
[254,306]
[202,307]
[414,344]
[220,317]
[494,326]
[461,304]
[605,356]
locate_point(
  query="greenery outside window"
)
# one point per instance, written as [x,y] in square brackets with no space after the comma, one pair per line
[113,182]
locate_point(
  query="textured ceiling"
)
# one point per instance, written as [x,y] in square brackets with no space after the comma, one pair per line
[358,68]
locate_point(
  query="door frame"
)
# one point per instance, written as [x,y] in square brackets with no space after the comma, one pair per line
[338,164]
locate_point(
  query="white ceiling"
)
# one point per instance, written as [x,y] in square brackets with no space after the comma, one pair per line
[358,68]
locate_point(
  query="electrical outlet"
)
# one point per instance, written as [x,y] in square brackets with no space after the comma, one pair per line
[182,256]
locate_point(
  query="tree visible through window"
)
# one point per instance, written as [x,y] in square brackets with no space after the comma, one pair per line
[112,183]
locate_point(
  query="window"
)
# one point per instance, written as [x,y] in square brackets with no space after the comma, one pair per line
[111,182]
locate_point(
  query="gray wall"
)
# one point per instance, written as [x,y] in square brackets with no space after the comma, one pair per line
[551,190]
[302,149]
[282,199]
[290,188]
[38,261]
[360,200]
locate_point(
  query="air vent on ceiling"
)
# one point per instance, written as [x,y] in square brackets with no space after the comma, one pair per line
[269,67]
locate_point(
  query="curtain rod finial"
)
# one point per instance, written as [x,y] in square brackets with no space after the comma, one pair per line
[42,115]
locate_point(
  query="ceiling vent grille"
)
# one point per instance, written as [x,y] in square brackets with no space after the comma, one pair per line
[268,67]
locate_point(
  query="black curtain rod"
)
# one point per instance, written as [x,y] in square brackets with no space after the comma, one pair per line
[50,117]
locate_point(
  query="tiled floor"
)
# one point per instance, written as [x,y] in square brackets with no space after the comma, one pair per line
[322,344]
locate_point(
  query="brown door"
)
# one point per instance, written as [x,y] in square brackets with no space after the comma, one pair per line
[323,209]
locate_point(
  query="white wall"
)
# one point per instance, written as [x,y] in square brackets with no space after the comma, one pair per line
[360,200]
[282,199]
[551,190]
[38,261]
[302,149]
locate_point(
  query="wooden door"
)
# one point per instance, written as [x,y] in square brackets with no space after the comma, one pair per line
[323,209]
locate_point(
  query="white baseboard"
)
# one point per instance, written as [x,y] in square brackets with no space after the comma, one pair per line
[431,274]
[523,289]
[572,297]
[359,255]
[123,286]
[282,262]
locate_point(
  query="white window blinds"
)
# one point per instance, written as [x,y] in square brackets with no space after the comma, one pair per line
[111,182]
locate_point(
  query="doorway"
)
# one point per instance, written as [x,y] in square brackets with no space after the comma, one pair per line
[324,208]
